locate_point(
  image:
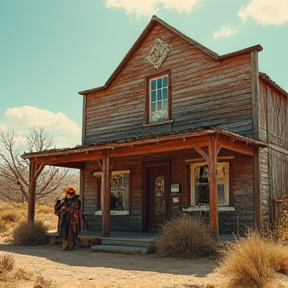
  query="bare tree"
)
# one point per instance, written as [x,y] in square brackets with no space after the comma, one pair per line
[14,170]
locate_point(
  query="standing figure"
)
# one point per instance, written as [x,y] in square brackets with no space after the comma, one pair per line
[69,221]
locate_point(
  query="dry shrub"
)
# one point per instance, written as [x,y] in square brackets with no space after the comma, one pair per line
[10,215]
[6,263]
[30,234]
[252,261]
[185,238]
[282,230]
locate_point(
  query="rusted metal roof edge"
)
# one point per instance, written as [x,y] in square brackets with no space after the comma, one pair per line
[144,140]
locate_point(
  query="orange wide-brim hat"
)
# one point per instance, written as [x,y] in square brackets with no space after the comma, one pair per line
[70,191]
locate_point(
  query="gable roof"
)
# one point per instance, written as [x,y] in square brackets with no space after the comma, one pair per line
[153,22]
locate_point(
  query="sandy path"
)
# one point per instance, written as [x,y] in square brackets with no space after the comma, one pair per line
[83,268]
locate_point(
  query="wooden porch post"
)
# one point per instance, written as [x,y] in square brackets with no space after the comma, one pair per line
[34,172]
[105,192]
[213,193]
[211,159]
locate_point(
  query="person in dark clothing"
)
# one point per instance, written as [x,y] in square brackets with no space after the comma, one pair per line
[69,218]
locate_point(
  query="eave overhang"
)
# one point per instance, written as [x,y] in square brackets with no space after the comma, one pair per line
[76,157]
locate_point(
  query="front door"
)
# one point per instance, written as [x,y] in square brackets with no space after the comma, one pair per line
[158,183]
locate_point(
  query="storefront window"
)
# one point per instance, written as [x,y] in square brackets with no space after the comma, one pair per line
[120,190]
[200,184]
[119,193]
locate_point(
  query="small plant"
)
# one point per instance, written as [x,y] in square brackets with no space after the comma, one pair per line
[30,234]
[22,274]
[252,261]
[185,238]
[42,283]
[6,263]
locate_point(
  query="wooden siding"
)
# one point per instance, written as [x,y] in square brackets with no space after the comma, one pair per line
[243,190]
[277,116]
[265,184]
[274,131]
[90,189]
[205,92]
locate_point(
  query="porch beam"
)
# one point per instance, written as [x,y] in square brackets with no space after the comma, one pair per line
[39,169]
[235,146]
[105,192]
[201,152]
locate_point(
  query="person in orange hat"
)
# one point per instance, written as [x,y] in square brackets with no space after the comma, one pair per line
[68,211]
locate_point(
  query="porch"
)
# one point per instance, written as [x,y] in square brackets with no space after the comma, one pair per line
[170,161]
[120,242]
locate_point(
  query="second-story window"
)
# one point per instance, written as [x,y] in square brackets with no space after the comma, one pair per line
[158,98]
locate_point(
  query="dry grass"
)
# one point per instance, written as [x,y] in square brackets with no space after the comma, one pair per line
[12,225]
[14,278]
[253,261]
[185,238]
[12,213]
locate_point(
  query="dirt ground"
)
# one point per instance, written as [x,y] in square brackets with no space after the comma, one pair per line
[84,268]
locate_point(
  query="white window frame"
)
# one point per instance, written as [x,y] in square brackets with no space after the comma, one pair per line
[159,102]
[224,181]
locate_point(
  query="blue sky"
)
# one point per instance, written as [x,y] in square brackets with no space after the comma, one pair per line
[52,49]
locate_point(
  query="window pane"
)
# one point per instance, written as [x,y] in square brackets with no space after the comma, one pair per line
[221,198]
[165,81]
[200,184]
[153,96]
[165,93]
[159,83]
[158,99]
[119,192]
[153,84]
[159,95]
[202,195]
[159,186]
[165,102]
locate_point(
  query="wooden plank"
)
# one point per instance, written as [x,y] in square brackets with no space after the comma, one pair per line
[105,192]
[236,146]
[213,194]
[255,93]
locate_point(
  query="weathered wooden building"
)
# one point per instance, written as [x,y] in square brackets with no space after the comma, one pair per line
[178,129]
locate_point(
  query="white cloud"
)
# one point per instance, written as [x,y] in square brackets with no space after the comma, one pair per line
[65,132]
[225,31]
[266,12]
[150,7]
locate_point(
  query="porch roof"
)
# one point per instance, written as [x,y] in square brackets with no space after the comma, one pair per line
[75,157]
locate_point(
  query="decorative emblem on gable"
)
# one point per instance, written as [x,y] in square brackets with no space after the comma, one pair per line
[158,52]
